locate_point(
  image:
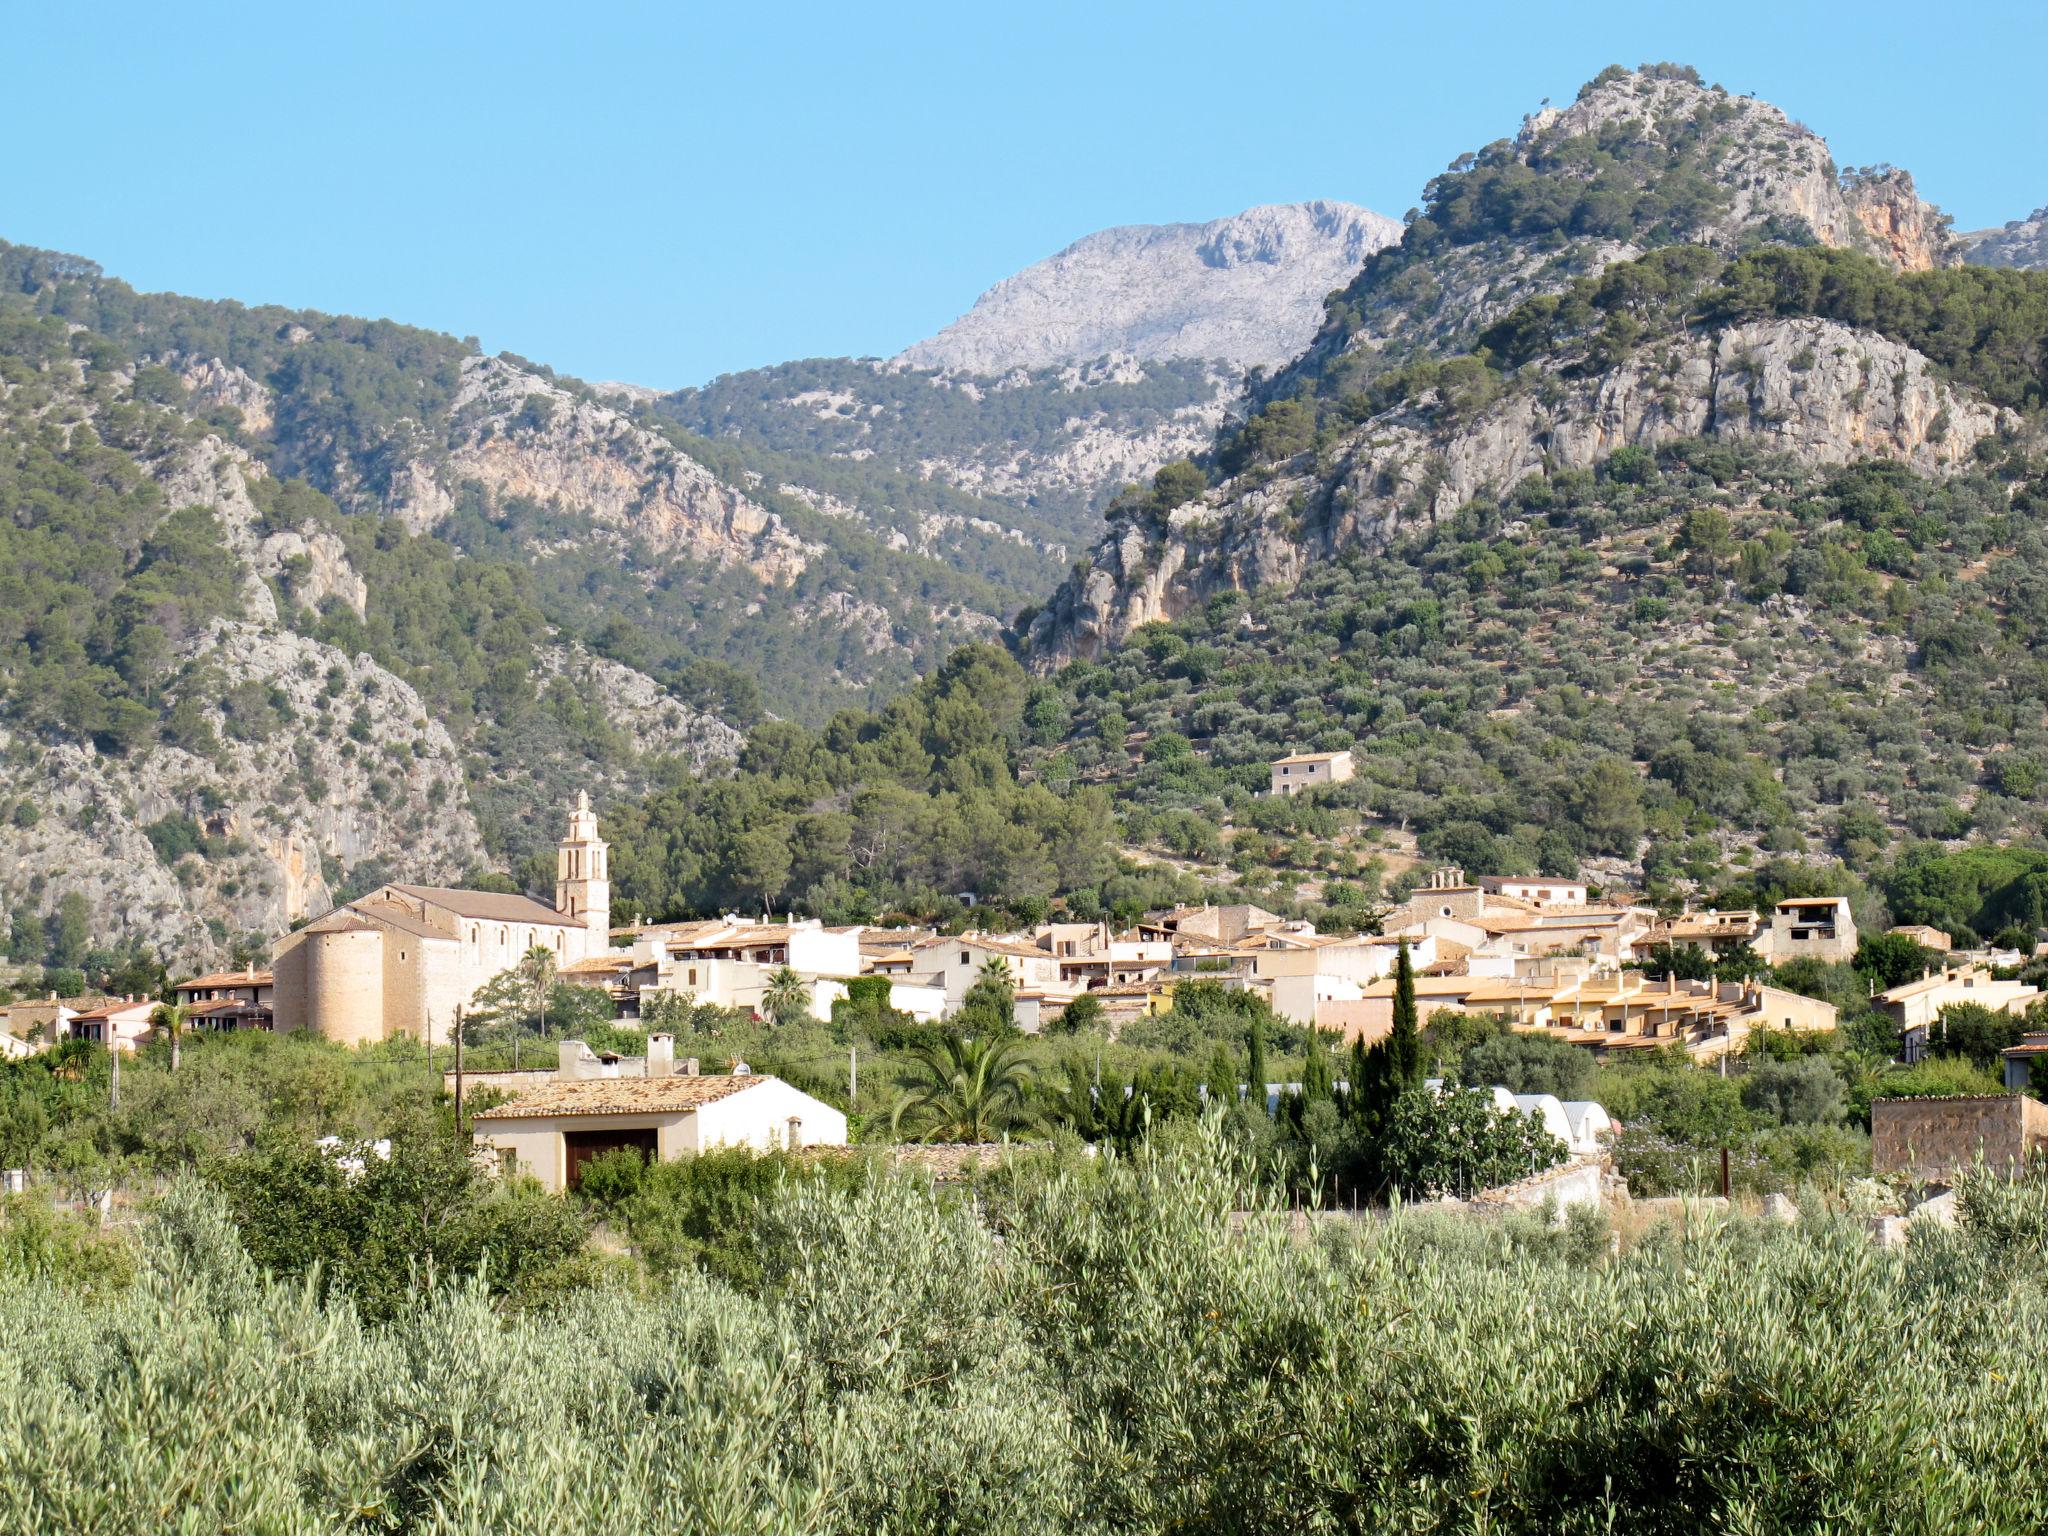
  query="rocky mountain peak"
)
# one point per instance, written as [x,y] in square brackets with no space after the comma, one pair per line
[1246,290]
[1769,168]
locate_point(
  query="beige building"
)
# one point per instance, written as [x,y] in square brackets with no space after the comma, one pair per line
[1925,937]
[1919,1003]
[1311,770]
[402,959]
[1811,928]
[587,1108]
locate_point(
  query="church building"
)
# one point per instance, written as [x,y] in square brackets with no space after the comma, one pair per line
[402,959]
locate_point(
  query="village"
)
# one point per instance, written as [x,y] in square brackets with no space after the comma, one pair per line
[1538,956]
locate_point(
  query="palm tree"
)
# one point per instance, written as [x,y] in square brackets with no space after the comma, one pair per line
[169,1017]
[537,971]
[973,1088]
[786,998]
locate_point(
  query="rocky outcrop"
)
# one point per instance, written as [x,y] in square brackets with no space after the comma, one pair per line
[328,765]
[1247,290]
[1769,166]
[1810,388]
[2022,243]
[659,724]
[214,384]
[309,564]
[1092,453]
[519,435]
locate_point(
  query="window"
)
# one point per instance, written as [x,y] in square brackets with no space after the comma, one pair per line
[963,957]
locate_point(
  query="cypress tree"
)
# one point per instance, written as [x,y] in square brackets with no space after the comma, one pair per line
[1255,1068]
[1317,1080]
[1222,1082]
[1404,1044]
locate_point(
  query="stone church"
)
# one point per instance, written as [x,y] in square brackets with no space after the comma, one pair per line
[402,959]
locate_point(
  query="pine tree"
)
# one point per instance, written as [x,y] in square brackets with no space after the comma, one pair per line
[1255,1067]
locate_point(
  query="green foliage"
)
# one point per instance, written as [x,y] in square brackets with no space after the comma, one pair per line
[375,1227]
[1528,1064]
[971,1089]
[881,1363]
[1457,1143]
[1975,1033]
[901,809]
[1808,1091]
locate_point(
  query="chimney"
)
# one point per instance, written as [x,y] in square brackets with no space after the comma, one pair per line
[572,1061]
[661,1055]
[690,1067]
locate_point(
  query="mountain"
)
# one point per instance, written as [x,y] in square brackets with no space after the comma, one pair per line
[1641,161]
[1245,291]
[1666,502]
[1065,382]
[2022,243]
[1032,453]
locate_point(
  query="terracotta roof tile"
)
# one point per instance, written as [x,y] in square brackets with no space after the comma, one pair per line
[622,1096]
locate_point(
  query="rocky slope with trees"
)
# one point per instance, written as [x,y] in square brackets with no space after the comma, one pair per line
[1404,406]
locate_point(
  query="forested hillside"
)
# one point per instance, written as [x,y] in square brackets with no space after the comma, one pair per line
[1656,508]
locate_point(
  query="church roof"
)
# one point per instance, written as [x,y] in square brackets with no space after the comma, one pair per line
[489,906]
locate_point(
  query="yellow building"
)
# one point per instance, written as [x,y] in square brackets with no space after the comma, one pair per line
[402,959]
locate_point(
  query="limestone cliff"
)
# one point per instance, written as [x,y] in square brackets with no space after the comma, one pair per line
[1810,388]
[340,771]
[519,435]
[1246,290]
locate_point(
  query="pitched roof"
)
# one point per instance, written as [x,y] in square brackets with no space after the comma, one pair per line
[229,979]
[490,906]
[623,1096]
[1310,757]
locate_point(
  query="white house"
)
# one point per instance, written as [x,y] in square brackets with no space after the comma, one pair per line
[1537,890]
[551,1131]
[954,965]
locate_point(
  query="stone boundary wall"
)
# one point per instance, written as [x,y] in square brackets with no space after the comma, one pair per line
[1933,1140]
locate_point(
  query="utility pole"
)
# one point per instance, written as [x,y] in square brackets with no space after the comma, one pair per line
[114,1067]
[852,1076]
[458,1074]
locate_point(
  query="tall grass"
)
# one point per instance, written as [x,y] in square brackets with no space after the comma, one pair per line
[1123,1354]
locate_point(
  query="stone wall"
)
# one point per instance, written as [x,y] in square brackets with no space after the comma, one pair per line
[1932,1140]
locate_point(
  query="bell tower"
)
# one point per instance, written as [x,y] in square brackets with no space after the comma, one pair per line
[583,886]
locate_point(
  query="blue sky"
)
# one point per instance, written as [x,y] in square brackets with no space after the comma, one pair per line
[659,193]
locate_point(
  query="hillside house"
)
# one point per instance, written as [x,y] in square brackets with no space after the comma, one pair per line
[553,1130]
[728,962]
[1915,1005]
[1924,936]
[1718,933]
[1310,770]
[121,1023]
[1811,928]
[1537,890]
